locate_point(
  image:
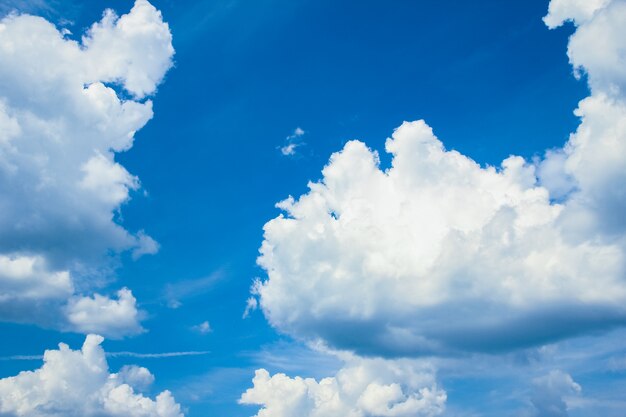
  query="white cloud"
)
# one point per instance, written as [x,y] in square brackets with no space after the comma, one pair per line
[578,11]
[27,277]
[203,328]
[251,305]
[365,387]
[135,49]
[598,48]
[158,355]
[137,377]
[145,245]
[108,180]
[63,12]
[78,383]
[61,123]
[298,131]
[289,149]
[373,259]
[176,292]
[292,142]
[550,393]
[28,288]
[438,254]
[123,354]
[115,318]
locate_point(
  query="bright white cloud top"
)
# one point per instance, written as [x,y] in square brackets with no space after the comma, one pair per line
[78,383]
[437,254]
[365,387]
[62,119]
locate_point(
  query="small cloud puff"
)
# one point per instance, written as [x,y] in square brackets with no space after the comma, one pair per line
[203,328]
[292,142]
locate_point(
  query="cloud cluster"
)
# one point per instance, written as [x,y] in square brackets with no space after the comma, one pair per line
[365,387]
[438,254]
[78,383]
[66,108]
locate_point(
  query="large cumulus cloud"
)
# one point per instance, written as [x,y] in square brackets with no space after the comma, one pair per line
[66,108]
[438,254]
[78,383]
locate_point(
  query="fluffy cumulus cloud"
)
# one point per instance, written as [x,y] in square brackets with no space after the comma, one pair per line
[438,254]
[78,383]
[365,387]
[597,49]
[66,108]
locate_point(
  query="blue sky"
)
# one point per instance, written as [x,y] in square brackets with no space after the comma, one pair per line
[498,288]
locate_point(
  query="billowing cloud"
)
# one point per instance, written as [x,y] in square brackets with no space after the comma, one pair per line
[388,262]
[66,108]
[437,254]
[365,387]
[78,383]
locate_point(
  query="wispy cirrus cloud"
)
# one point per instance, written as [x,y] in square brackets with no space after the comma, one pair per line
[122,354]
[61,12]
[174,293]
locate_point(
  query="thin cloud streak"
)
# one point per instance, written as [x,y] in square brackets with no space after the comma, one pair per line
[157,355]
[117,355]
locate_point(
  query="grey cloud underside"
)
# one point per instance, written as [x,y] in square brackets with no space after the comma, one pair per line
[443,331]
